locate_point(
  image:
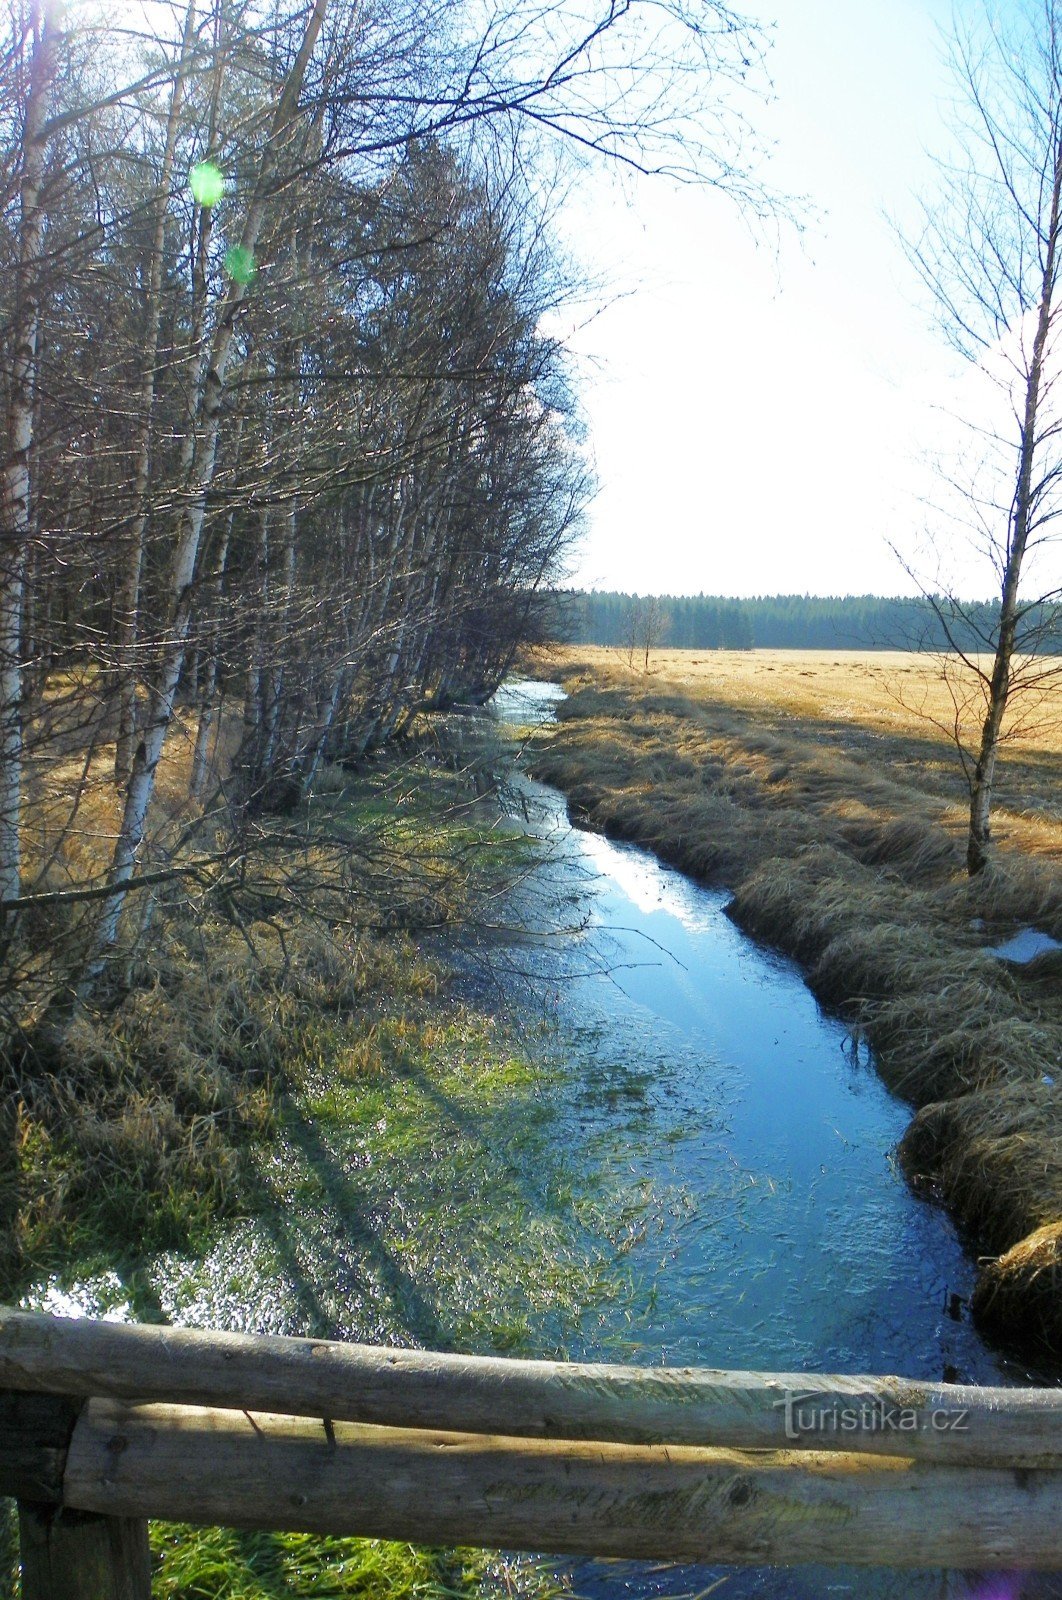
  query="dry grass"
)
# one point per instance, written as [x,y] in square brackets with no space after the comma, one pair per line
[131,1132]
[1025,1285]
[128,1126]
[836,816]
[892,691]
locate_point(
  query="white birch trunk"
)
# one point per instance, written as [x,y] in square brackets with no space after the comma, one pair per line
[163,691]
[15,509]
[129,596]
[1025,494]
[326,720]
[201,756]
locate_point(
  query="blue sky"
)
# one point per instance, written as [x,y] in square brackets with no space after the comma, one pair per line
[760,414]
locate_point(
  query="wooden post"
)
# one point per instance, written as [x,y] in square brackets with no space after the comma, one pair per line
[65,1555]
[35,1432]
[76,1555]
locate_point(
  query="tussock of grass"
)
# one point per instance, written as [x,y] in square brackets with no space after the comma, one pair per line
[918,848]
[1026,1283]
[1017,889]
[126,1131]
[839,826]
[128,1134]
[977,1152]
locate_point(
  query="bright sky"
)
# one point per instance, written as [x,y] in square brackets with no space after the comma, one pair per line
[759,417]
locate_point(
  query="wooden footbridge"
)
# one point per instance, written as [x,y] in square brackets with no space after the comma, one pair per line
[104,1425]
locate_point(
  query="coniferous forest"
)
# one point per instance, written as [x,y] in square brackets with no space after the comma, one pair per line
[790,622]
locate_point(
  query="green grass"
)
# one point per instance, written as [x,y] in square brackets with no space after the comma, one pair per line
[222,1564]
[293,1126]
[193,1563]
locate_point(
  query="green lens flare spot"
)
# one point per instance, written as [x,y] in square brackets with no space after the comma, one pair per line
[206,183]
[239,263]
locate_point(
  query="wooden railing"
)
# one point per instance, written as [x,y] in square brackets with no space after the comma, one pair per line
[103,1425]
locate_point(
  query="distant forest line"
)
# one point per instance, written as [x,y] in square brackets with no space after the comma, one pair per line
[782,622]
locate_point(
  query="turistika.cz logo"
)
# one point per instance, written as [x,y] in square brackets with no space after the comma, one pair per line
[804,1416]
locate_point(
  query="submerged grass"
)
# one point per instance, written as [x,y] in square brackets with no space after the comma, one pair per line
[839,830]
[128,1133]
[286,1122]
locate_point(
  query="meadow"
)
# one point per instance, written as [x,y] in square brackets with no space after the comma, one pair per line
[899,691]
[824,789]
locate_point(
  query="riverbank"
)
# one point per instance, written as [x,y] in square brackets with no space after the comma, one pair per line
[842,845]
[275,1124]
[602,1123]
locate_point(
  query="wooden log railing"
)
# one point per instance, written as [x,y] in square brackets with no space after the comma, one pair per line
[104,1425]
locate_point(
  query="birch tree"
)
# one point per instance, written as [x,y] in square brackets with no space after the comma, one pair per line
[186,545]
[991,254]
[132,560]
[285,450]
[38,66]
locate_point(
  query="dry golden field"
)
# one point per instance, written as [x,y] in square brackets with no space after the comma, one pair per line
[892,712]
[901,691]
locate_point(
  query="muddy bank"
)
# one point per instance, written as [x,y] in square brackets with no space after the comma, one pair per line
[840,858]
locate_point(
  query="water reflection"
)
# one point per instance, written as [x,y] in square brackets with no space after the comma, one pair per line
[798,1246]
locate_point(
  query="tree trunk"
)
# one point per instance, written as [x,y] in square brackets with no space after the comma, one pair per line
[977,851]
[133,546]
[15,508]
[163,690]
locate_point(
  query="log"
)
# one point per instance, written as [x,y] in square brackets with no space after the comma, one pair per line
[75,1555]
[676,1503]
[953,1423]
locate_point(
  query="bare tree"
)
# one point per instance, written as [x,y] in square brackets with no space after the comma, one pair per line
[288,457]
[654,626]
[37,63]
[645,625]
[991,254]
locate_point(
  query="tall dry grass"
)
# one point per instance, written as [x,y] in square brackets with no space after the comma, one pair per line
[128,1124]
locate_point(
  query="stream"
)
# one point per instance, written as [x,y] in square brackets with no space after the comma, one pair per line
[683,1160]
[800,1246]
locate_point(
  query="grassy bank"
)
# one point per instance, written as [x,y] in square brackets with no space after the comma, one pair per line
[287,1118]
[835,815]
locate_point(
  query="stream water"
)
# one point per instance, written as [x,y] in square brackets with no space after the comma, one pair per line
[684,1161]
[796,1245]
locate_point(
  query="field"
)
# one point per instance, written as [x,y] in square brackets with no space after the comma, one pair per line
[813,786]
[897,691]
[894,709]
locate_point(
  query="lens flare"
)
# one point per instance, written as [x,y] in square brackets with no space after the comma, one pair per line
[1001,1588]
[206,183]
[239,263]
